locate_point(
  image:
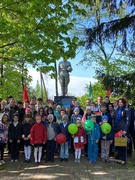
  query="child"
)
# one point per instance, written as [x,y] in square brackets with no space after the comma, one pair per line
[63,128]
[104,111]
[93,139]
[38,138]
[106,141]
[26,126]
[57,112]
[75,115]
[15,137]
[51,134]
[62,113]
[50,111]
[86,116]
[79,140]
[3,135]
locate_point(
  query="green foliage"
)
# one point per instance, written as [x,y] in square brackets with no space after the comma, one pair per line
[35,31]
[98,90]
[82,100]
[40,92]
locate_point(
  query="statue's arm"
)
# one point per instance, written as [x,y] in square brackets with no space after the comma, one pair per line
[70,68]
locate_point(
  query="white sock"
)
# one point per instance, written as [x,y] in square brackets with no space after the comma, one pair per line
[29,152]
[76,153]
[35,153]
[26,152]
[39,153]
[79,153]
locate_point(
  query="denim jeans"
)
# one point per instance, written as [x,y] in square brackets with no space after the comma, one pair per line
[64,150]
[92,150]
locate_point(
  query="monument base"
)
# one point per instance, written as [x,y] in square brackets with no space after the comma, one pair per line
[64,101]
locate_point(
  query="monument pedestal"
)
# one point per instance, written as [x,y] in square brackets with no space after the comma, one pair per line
[64,101]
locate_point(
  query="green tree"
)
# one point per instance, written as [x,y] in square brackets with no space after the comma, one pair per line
[38,32]
[40,92]
[98,90]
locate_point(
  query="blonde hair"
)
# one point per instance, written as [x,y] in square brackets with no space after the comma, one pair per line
[3,101]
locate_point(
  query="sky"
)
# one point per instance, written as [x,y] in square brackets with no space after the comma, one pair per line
[80,77]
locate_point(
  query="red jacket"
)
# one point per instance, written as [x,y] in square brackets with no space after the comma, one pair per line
[38,134]
[81,132]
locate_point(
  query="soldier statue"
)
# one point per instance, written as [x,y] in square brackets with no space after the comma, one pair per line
[64,77]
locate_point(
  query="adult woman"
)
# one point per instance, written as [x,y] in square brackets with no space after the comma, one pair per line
[122,122]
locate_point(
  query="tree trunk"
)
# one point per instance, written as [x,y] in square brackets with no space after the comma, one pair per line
[56,79]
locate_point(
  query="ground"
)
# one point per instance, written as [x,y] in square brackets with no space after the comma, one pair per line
[67,170]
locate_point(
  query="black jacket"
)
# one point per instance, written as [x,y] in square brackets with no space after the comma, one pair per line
[15,133]
[26,127]
[124,122]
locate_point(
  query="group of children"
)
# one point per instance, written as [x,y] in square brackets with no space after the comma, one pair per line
[40,135]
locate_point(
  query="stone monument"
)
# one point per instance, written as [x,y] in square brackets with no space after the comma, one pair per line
[64,70]
[64,77]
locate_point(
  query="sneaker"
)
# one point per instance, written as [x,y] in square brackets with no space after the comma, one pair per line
[75,160]
[61,159]
[12,161]
[16,160]
[66,159]
[3,162]
[94,162]
[39,163]
[36,163]
[28,160]
[90,161]
[103,160]
[107,160]
[78,161]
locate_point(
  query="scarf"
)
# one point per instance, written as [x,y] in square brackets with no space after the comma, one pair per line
[119,114]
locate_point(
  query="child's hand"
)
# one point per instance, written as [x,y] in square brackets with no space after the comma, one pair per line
[111,141]
[73,136]
[43,142]
[100,123]
[18,141]
[97,141]
[104,137]
[10,141]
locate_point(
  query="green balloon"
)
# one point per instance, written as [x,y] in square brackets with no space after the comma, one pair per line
[106,128]
[88,125]
[72,128]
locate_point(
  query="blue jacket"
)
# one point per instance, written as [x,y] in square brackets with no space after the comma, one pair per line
[64,130]
[124,123]
[94,134]
[109,136]
[74,117]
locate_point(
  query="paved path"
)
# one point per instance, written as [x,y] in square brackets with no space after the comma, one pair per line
[67,170]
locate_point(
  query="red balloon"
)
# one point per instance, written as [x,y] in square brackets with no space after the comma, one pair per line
[60,138]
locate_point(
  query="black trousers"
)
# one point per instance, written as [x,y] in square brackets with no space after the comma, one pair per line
[122,153]
[50,150]
[15,148]
[2,146]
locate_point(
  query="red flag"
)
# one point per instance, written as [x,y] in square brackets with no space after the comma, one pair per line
[108,92]
[25,94]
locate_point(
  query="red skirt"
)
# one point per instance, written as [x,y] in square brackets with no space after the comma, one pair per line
[78,145]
